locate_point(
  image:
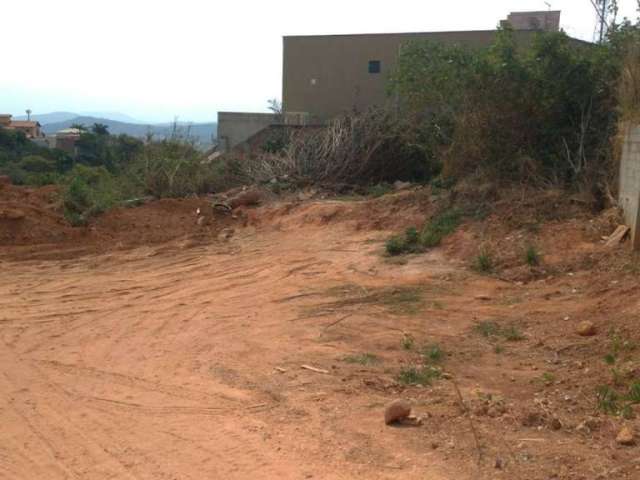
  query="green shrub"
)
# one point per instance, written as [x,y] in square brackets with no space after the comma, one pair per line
[483,262]
[172,168]
[422,375]
[560,130]
[89,192]
[411,236]
[532,256]
[439,227]
[408,243]
[395,246]
[432,354]
[362,359]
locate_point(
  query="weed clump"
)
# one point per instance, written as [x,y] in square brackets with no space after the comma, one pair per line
[431,235]
[362,359]
[490,329]
[90,192]
[418,375]
[439,227]
[483,262]
[408,243]
[532,256]
[614,402]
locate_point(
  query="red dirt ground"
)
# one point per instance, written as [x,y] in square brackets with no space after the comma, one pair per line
[172,350]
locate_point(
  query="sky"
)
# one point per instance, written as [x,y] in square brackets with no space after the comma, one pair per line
[158,59]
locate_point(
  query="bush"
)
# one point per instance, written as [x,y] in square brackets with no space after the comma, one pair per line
[395,246]
[532,256]
[558,131]
[358,149]
[172,168]
[409,243]
[483,262]
[439,227]
[89,192]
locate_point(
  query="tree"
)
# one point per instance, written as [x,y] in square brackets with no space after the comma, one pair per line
[100,129]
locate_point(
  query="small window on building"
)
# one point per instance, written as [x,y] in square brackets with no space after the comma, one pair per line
[375,66]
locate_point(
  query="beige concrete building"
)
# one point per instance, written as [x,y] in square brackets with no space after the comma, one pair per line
[326,75]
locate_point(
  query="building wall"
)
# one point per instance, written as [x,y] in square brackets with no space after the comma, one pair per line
[547,20]
[629,196]
[328,75]
[236,127]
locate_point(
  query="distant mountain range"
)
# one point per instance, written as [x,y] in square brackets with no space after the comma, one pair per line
[118,123]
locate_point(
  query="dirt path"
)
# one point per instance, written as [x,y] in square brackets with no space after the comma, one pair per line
[185,363]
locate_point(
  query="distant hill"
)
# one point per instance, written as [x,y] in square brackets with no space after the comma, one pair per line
[204,133]
[55,117]
[49,117]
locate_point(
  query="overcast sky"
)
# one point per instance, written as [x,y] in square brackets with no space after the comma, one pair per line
[154,59]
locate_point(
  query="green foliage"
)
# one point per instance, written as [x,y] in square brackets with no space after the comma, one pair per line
[172,168]
[483,262]
[395,246]
[439,227]
[476,101]
[27,163]
[89,192]
[409,243]
[615,402]
[362,359]
[432,354]
[532,256]
[421,375]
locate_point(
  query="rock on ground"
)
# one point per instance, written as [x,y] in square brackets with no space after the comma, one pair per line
[396,411]
[626,437]
[586,329]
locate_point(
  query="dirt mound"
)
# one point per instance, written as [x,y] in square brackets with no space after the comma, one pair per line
[32,224]
[390,212]
[31,216]
[559,232]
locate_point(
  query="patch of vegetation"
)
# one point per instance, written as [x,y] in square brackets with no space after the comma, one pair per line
[420,375]
[408,243]
[362,359]
[90,191]
[483,262]
[490,329]
[439,227]
[532,256]
[379,189]
[408,341]
[548,378]
[432,354]
[619,403]
[487,328]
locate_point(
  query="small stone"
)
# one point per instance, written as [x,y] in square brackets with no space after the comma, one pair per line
[626,437]
[435,445]
[396,411]
[555,424]
[586,329]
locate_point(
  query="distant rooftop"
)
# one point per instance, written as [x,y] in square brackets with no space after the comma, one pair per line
[548,21]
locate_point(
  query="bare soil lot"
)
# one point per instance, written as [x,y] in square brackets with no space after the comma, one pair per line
[181,357]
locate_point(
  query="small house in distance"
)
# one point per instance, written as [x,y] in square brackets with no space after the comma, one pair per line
[327,75]
[31,129]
